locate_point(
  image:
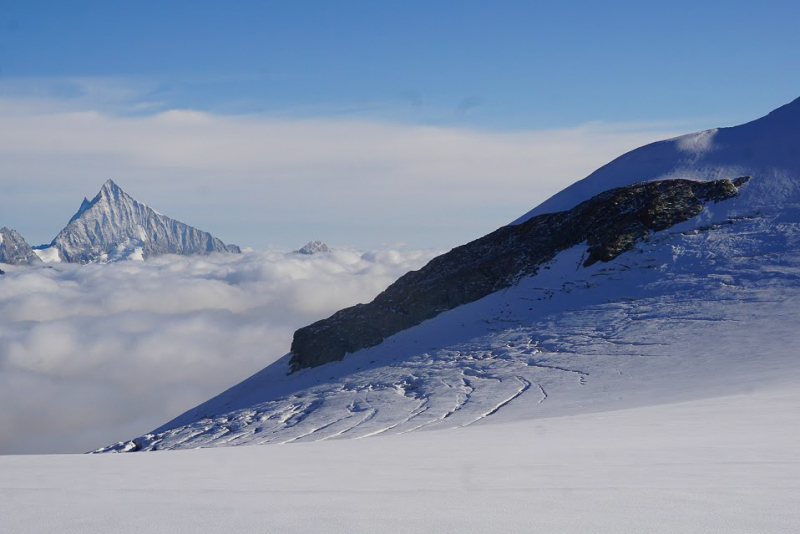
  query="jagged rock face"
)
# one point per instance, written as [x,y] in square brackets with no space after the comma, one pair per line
[610,223]
[114,226]
[15,250]
[314,247]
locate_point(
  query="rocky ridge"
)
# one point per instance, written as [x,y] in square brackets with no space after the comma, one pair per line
[115,226]
[313,247]
[609,223]
[14,250]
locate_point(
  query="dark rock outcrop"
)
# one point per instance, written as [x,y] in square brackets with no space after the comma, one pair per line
[14,250]
[610,223]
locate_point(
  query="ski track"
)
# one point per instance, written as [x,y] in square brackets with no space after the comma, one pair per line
[520,391]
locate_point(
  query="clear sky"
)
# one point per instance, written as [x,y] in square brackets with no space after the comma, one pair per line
[419,121]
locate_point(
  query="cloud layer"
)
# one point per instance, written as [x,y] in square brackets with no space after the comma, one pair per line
[264,180]
[95,354]
[90,355]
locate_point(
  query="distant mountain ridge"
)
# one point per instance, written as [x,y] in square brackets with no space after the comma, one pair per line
[114,226]
[14,249]
[313,247]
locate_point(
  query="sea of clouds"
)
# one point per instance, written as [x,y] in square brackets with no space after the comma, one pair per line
[95,354]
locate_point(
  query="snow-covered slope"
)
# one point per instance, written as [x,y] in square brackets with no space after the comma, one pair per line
[700,307]
[114,226]
[14,249]
[767,148]
[685,315]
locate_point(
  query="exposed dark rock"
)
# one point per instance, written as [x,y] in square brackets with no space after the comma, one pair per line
[610,223]
[15,250]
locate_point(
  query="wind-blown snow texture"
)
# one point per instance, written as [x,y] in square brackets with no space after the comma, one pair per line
[767,148]
[115,226]
[705,308]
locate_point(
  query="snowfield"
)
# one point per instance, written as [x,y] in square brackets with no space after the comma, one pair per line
[111,351]
[688,314]
[657,392]
[723,465]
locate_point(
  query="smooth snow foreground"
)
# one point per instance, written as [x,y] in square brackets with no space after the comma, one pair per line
[727,464]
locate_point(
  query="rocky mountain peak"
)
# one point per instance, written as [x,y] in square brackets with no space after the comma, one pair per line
[113,225]
[110,190]
[313,247]
[85,205]
[14,249]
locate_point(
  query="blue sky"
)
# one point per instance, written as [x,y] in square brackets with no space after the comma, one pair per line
[529,64]
[485,68]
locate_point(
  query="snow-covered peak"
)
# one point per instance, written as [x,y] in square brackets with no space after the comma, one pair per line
[85,205]
[314,247]
[111,190]
[113,226]
[14,249]
[767,149]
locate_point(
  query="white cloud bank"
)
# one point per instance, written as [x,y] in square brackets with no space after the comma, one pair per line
[94,354]
[90,355]
[259,180]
